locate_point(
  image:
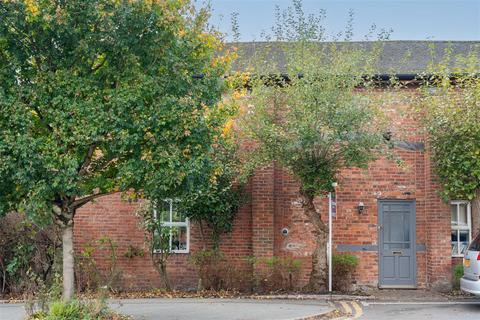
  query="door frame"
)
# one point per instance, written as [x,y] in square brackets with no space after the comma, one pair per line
[413,228]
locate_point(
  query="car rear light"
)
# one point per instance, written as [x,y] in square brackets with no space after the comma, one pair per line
[478,256]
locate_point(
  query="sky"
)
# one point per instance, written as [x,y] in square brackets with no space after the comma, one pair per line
[409,19]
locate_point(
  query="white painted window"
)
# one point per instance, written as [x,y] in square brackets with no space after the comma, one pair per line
[461,221]
[176,224]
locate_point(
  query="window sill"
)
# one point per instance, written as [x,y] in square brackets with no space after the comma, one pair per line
[175,252]
[458,256]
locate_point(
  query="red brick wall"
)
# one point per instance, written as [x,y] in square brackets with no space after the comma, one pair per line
[384,179]
[274,205]
[113,217]
[439,268]
[263,213]
[299,243]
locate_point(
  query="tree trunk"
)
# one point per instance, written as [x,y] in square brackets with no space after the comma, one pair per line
[68,262]
[204,248]
[4,275]
[164,275]
[318,276]
[317,282]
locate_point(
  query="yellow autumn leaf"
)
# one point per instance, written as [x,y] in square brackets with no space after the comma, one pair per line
[31,7]
[228,127]
[238,94]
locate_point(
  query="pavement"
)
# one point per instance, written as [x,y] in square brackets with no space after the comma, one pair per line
[410,295]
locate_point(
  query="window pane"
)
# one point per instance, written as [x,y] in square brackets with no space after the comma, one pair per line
[406,227]
[179,238]
[453,209]
[454,242]
[462,215]
[177,216]
[397,227]
[463,238]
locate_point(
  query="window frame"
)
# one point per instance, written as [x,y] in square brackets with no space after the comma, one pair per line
[458,228]
[169,224]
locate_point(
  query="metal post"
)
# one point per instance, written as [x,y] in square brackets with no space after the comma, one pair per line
[329,242]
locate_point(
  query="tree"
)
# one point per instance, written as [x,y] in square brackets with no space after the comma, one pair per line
[319,119]
[216,201]
[210,195]
[215,194]
[451,109]
[100,96]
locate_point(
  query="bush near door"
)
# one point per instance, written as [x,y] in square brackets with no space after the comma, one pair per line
[344,266]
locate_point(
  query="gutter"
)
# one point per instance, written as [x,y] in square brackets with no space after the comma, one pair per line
[381,78]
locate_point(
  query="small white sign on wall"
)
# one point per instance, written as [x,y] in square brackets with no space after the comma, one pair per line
[333,204]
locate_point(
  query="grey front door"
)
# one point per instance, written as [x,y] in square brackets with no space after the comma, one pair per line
[397,265]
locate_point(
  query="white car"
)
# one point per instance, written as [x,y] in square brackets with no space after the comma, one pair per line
[470,282]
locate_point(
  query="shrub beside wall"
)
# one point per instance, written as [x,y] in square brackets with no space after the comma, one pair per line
[29,254]
[276,273]
[87,274]
[217,272]
[457,274]
[344,266]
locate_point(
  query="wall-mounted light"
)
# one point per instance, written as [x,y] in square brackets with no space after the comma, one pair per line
[361,207]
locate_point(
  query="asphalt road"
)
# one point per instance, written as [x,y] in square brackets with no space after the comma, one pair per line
[12,311]
[201,309]
[468,310]
[243,309]
[219,309]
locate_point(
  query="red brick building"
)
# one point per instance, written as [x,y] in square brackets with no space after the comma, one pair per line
[405,235]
